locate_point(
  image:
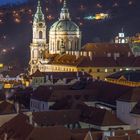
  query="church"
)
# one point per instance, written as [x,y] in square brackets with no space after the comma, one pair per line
[64,36]
[64,52]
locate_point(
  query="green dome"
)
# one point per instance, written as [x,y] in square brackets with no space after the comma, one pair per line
[39,16]
[64,26]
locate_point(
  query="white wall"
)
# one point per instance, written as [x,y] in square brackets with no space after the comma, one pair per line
[123,113]
[37,106]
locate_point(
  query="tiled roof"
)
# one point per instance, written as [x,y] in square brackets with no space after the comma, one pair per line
[67,59]
[83,95]
[12,73]
[136,109]
[42,93]
[136,62]
[98,62]
[133,95]
[125,61]
[60,75]
[53,118]
[107,92]
[99,117]
[131,137]
[7,108]
[101,49]
[50,133]
[94,135]
[91,91]
[17,128]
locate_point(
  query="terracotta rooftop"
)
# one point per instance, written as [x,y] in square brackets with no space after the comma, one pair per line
[101,49]
[7,108]
[131,137]
[136,109]
[61,75]
[99,117]
[133,95]
[50,133]
[94,136]
[136,62]
[11,73]
[42,93]
[54,118]
[98,62]
[17,128]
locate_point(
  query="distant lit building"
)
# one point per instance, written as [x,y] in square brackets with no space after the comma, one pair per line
[121,38]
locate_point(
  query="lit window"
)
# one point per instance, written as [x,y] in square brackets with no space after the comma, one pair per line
[40,35]
[106,70]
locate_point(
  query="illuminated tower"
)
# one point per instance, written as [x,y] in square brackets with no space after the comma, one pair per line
[121,39]
[38,44]
[66,31]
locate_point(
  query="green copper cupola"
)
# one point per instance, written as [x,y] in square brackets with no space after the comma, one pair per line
[39,16]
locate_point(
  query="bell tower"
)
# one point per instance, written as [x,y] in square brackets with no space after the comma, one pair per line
[38,45]
[39,26]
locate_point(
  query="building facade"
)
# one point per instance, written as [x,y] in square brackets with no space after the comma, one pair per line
[64,35]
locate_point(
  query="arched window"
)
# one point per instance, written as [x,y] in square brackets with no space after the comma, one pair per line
[40,34]
[58,45]
[35,54]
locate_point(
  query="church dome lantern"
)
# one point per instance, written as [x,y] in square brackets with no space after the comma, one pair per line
[64,29]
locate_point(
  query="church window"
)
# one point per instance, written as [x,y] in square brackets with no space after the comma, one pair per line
[114,70]
[40,34]
[58,45]
[90,70]
[35,53]
[98,77]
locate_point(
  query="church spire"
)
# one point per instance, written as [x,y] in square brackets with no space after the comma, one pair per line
[64,15]
[39,16]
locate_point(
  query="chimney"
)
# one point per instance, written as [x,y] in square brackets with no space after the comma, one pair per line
[129,54]
[17,108]
[90,55]
[112,133]
[5,136]
[77,74]
[138,131]
[77,54]
[35,124]
[31,119]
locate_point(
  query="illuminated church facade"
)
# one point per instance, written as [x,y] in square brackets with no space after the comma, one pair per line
[64,52]
[64,36]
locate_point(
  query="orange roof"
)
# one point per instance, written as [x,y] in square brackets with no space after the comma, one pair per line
[101,49]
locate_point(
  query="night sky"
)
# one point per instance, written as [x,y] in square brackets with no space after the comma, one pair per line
[3,2]
[16,26]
